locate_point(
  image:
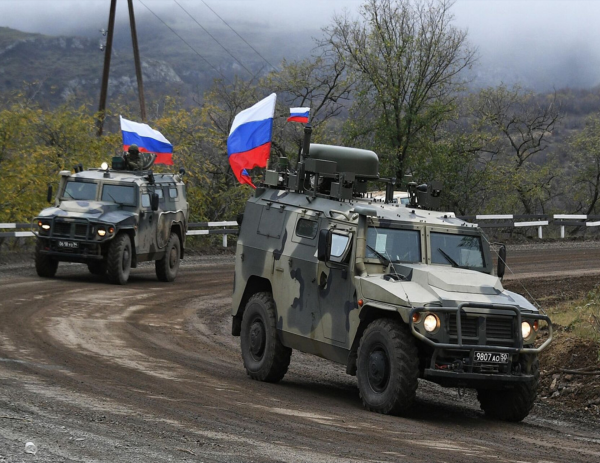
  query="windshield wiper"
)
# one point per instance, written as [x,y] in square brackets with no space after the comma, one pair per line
[114,200]
[448,258]
[381,256]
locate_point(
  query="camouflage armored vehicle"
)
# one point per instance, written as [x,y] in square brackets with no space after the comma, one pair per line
[113,219]
[394,293]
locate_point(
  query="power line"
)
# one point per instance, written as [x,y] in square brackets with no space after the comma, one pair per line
[236,33]
[184,41]
[214,38]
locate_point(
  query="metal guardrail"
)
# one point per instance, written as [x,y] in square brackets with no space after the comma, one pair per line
[217,231]
[534,220]
[483,221]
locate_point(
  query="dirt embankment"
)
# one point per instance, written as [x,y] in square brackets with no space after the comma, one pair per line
[570,366]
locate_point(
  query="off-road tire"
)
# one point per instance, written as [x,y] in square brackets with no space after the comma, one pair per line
[45,266]
[512,404]
[265,357]
[118,263]
[387,367]
[97,267]
[168,266]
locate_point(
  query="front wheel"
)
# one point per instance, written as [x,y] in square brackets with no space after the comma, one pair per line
[97,267]
[513,404]
[118,263]
[387,367]
[168,266]
[265,357]
[45,266]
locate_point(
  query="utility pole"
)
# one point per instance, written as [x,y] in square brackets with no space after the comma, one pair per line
[107,54]
[106,70]
[136,57]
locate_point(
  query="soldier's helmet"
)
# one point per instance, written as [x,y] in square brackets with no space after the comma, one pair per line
[133,149]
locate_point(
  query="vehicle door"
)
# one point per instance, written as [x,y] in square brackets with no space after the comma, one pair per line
[168,213]
[337,295]
[294,276]
[146,234]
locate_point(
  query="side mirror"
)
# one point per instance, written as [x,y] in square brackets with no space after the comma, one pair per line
[49,195]
[154,201]
[324,246]
[501,261]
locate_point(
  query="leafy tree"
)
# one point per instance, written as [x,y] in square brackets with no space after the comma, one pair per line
[36,144]
[406,58]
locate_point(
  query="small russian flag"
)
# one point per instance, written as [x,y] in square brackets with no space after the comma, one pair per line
[148,141]
[299,115]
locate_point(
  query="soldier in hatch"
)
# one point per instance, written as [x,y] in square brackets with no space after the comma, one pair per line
[132,157]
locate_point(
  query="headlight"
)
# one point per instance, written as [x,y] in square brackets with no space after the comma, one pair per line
[431,323]
[101,232]
[43,225]
[525,330]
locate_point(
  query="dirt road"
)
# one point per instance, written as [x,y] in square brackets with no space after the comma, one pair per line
[149,372]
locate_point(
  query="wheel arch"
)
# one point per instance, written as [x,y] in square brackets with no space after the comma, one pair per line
[255,284]
[178,230]
[368,314]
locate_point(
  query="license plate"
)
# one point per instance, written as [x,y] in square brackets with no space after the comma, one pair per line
[68,244]
[490,357]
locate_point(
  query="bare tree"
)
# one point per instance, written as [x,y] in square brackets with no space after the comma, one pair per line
[406,58]
[522,127]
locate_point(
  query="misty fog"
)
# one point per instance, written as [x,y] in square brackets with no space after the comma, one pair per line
[542,44]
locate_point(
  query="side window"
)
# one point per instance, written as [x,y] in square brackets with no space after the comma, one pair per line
[340,247]
[172,192]
[307,228]
[145,200]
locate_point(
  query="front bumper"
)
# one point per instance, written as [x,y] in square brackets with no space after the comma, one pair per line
[464,370]
[85,252]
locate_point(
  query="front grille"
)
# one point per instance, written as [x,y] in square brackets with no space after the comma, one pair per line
[61,229]
[70,229]
[468,326]
[498,329]
[81,230]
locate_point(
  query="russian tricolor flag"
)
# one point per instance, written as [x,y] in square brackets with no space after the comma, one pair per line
[299,115]
[249,142]
[147,140]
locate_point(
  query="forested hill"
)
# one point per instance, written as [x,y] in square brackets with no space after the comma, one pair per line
[59,68]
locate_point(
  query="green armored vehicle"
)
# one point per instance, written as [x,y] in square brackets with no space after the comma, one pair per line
[113,219]
[393,292]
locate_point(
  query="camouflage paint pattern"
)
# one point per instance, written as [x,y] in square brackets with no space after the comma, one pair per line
[149,230]
[317,302]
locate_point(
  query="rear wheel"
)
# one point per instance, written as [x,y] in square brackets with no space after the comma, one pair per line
[513,404]
[97,267]
[168,266]
[265,357]
[118,264]
[45,266]
[387,367]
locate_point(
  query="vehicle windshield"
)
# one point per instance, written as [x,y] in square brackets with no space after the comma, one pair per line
[456,250]
[396,245]
[120,194]
[80,190]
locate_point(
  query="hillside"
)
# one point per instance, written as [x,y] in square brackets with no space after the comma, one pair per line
[63,67]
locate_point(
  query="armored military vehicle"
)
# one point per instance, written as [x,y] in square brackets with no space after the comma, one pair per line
[394,293]
[112,219]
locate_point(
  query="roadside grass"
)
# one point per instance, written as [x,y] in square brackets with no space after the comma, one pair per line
[579,318]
